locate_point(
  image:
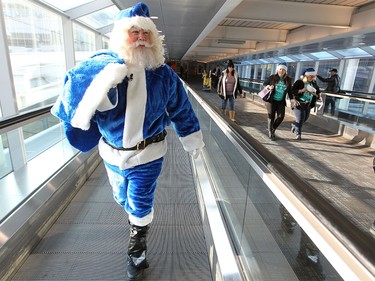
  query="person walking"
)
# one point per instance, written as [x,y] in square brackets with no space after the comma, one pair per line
[229,87]
[280,86]
[333,86]
[121,100]
[215,74]
[305,93]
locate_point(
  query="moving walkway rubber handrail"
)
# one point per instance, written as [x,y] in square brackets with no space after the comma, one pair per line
[9,123]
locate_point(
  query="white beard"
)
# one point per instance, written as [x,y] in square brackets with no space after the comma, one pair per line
[144,57]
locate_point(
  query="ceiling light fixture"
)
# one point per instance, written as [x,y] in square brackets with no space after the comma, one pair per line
[229,41]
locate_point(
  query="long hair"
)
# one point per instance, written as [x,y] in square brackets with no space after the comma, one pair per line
[277,78]
[232,72]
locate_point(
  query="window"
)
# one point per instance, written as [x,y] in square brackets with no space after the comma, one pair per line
[323,70]
[364,75]
[292,71]
[84,42]
[305,65]
[35,45]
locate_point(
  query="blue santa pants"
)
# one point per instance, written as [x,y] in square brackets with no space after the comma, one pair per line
[134,188]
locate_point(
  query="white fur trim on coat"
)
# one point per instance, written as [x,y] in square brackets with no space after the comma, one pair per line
[111,75]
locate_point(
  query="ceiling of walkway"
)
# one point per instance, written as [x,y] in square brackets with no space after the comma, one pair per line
[214,30]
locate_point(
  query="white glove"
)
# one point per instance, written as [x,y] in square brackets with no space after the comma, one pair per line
[195,153]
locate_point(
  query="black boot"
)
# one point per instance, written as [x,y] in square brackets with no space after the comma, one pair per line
[137,249]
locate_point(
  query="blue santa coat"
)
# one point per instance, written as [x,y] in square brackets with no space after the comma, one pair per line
[94,104]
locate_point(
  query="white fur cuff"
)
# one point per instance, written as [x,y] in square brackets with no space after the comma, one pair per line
[193,141]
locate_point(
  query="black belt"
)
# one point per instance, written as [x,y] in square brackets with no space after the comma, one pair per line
[142,144]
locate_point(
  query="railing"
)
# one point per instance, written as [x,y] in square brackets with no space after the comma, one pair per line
[355,109]
[256,191]
[33,147]
[256,178]
[48,174]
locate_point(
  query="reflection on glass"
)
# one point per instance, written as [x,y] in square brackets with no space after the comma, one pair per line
[41,135]
[84,42]
[268,241]
[5,162]
[46,149]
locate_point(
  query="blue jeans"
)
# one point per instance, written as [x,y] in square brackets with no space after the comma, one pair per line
[301,117]
[330,101]
[231,103]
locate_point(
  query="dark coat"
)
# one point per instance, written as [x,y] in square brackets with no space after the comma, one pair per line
[298,85]
[333,83]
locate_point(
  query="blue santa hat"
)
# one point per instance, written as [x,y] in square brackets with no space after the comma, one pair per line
[140,9]
[309,72]
[137,16]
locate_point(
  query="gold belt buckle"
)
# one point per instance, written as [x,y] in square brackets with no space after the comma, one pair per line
[141,145]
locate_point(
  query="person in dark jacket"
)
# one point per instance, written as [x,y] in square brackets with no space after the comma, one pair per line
[333,86]
[305,92]
[281,85]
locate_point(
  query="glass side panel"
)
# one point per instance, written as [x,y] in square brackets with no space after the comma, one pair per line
[49,150]
[267,239]
[41,135]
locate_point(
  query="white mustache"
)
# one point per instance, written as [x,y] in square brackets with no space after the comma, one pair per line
[142,43]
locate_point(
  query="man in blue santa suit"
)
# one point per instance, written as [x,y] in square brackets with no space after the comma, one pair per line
[122,99]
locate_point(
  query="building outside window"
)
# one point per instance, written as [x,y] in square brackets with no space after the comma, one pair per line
[323,70]
[35,43]
[84,42]
[364,75]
